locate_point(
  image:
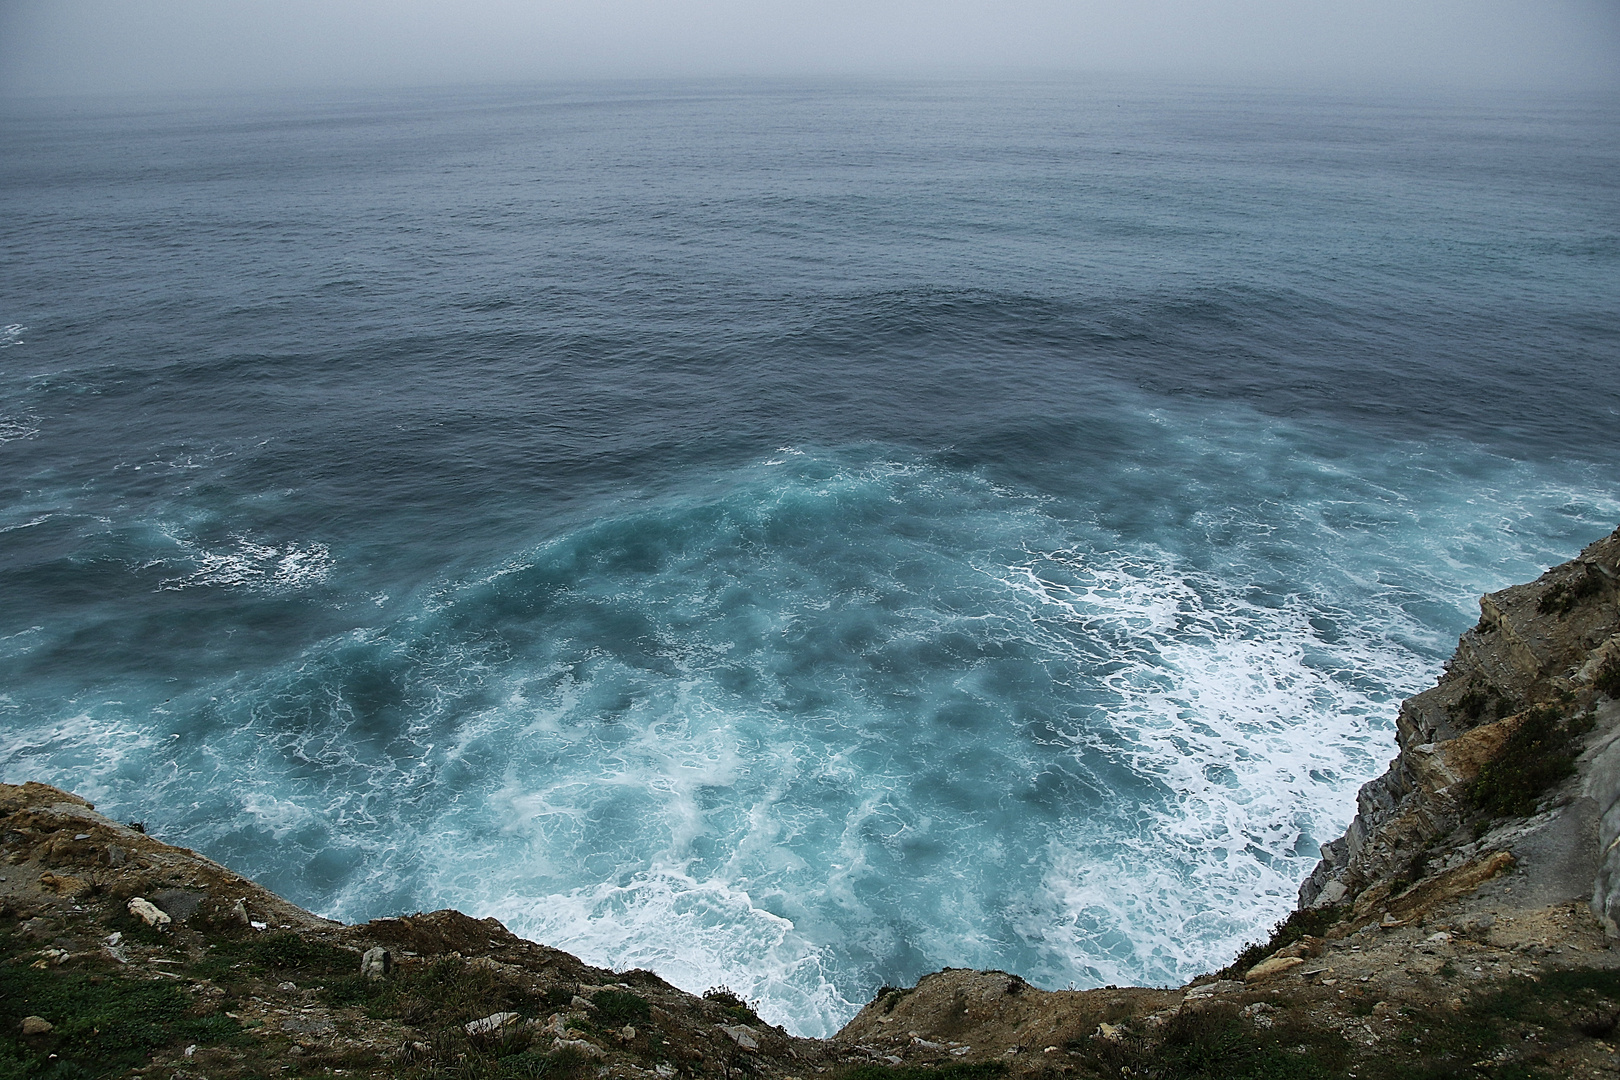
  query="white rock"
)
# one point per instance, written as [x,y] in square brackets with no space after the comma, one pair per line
[1332,893]
[149,913]
[742,1036]
[490,1024]
[589,1049]
[1219,986]
[377,962]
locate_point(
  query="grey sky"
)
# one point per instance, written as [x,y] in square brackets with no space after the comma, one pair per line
[67,46]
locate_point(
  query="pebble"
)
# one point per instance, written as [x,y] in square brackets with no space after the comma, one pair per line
[36,1025]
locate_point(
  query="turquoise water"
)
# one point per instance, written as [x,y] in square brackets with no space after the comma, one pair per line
[792,536]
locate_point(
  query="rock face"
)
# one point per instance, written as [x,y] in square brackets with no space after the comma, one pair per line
[1545,644]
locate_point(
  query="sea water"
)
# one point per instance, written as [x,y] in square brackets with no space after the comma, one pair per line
[794,536]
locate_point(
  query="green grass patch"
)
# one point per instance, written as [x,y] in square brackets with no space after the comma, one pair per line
[1476,701]
[1216,1043]
[891,996]
[616,1008]
[104,1024]
[444,994]
[473,1063]
[984,1070]
[1560,1008]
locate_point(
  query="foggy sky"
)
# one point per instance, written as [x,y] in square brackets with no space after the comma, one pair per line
[99,46]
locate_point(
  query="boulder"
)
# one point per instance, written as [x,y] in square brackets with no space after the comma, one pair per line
[149,913]
[1271,967]
[376,962]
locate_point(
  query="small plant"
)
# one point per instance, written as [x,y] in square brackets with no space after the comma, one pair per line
[890,996]
[1412,873]
[1539,754]
[1474,703]
[287,951]
[733,1006]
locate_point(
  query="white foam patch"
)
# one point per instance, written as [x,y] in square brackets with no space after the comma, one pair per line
[29,524]
[13,428]
[696,934]
[94,754]
[249,564]
[11,335]
[1257,733]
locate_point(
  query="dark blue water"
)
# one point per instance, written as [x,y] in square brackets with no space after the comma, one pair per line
[797,536]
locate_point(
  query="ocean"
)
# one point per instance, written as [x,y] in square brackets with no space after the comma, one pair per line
[793,535]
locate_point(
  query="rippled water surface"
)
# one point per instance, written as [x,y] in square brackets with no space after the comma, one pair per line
[796,536]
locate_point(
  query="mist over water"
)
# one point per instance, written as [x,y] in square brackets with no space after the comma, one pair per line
[789,535]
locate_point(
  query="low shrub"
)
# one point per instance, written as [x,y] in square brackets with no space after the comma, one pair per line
[1539,754]
[1299,924]
[1564,596]
[732,1005]
[1607,679]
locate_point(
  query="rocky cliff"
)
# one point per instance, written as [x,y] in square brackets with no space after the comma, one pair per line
[1544,656]
[1461,927]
